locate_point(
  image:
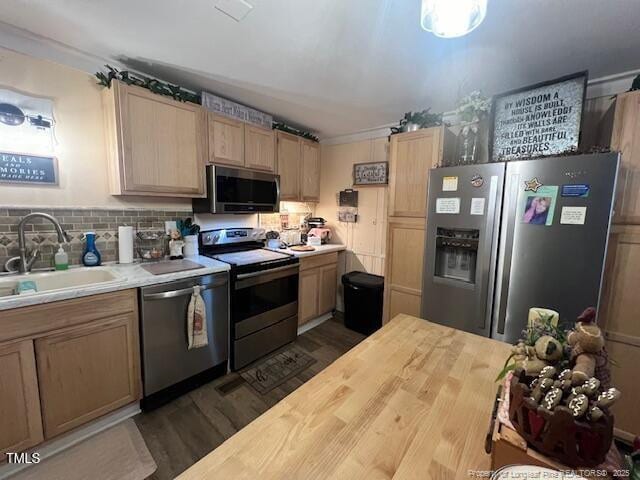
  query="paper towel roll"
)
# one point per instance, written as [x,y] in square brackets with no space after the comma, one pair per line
[125,244]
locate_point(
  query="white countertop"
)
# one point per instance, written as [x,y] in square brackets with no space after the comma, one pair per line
[326,248]
[128,276]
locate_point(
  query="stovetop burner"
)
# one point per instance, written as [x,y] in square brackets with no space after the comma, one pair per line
[242,248]
[249,257]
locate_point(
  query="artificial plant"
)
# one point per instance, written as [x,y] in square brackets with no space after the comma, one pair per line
[424,119]
[152,84]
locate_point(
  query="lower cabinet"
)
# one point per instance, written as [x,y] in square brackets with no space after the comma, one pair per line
[317,287]
[94,365]
[19,399]
[404,264]
[64,364]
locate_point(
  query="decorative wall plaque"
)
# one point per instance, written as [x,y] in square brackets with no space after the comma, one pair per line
[28,169]
[236,111]
[376,173]
[538,120]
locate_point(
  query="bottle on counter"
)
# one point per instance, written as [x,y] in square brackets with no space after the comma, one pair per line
[91,255]
[61,259]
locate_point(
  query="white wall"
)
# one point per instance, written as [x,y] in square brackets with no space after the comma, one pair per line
[79,130]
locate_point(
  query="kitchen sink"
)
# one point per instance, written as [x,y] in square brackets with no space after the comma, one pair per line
[63,280]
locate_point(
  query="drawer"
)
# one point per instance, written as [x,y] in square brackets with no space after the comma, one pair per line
[37,320]
[318,260]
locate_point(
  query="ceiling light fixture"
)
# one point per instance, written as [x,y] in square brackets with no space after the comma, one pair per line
[452,18]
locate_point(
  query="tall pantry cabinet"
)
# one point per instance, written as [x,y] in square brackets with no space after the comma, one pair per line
[620,305]
[411,157]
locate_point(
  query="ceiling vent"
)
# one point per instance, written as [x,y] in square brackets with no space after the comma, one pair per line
[236,9]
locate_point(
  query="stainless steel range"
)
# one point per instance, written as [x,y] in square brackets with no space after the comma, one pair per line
[264,291]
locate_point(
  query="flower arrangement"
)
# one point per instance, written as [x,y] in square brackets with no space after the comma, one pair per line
[474,107]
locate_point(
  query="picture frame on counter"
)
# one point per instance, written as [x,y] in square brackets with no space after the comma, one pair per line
[538,120]
[371,173]
[25,169]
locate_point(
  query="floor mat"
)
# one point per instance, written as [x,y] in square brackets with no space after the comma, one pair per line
[118,453]
[267,374]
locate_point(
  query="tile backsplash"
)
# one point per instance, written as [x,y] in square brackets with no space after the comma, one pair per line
[75,221]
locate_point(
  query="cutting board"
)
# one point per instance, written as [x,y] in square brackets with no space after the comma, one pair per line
[171,266]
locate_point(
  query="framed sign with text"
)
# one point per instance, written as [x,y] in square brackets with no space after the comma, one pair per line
[20,168]
[375,173]
[538,120]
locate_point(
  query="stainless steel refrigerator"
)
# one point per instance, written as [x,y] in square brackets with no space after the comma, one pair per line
[504,237]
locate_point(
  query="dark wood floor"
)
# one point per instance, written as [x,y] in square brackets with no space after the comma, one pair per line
[183,431]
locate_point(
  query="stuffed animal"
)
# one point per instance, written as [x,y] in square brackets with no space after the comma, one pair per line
[587,349]
[533,359]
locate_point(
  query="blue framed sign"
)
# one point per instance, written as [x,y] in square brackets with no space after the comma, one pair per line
[21,168]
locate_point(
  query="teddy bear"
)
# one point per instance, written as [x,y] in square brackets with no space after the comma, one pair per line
[588,355]
[546,351]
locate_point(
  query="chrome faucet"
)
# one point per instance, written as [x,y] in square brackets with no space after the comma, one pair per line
[25,264]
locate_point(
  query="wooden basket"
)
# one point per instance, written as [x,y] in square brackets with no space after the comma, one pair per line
[557,434]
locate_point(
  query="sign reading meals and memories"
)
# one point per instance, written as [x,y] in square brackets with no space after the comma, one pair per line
[28,169]
[539,120]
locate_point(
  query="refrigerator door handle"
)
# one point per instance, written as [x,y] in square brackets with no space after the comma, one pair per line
[505,255]
[492,245]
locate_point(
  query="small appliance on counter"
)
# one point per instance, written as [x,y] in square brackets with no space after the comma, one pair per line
[317,228]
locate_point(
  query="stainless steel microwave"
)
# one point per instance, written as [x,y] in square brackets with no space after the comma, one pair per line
[235,190]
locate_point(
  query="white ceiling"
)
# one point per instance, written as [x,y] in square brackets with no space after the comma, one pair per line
[341,66]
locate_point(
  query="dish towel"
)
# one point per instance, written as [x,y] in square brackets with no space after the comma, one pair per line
[197,321]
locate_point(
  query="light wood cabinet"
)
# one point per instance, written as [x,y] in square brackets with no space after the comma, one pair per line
[310,181]
[157,146]
[412,156]
[88,364]
[619,312]
[299,168]
[86,372]
[289,168]
[19,398]
[226,141]
[308,296]
[626,139]
[260,153]
[405,255]
[328,288]
[317,286]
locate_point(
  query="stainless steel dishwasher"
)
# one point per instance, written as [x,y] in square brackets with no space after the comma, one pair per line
[169,368]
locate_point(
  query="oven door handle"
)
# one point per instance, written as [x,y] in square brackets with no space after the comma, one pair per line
[182,292]
[244,276]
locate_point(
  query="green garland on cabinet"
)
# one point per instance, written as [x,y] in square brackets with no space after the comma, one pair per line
[156,86]
[294,131]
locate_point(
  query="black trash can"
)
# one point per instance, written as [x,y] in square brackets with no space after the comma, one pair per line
[363,293]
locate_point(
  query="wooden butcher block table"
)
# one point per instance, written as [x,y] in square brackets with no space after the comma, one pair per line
[413,400]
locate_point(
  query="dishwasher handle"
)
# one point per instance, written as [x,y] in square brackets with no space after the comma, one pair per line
[182,292]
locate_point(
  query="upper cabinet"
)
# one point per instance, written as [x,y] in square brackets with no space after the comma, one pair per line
[226,140]
[260,152]
[157,146]
[310,182]
[626,140]
[299,168]
[237,144]
[412,156]
[289,165]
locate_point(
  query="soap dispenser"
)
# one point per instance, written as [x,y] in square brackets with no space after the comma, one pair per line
[61,259]
[91,255]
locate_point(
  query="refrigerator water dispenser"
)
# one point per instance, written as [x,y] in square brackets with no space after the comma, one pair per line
[456,254]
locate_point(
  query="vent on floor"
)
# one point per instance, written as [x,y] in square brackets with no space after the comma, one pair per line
[236,9]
